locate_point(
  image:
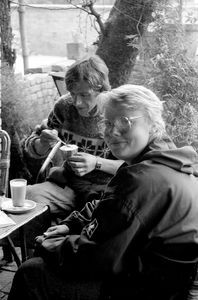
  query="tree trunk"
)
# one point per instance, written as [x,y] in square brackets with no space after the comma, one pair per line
[127,18]
[7,57]
[7,54]
[9,92]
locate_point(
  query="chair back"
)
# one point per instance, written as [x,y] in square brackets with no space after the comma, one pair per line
[5,145]
[42,172]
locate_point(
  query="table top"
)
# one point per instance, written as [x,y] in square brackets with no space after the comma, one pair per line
[22,219]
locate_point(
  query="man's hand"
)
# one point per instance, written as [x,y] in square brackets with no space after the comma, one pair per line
[48,137]
[82,163]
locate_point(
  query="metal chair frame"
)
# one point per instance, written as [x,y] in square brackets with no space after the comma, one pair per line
[5,145]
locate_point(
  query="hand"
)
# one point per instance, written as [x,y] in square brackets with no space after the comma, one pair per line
[38,128]
[48,138]
[52,231]
[82,163]
[56,230]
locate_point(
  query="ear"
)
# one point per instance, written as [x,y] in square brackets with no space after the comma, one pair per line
[152,130]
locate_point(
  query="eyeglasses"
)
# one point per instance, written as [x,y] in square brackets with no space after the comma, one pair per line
[123,124]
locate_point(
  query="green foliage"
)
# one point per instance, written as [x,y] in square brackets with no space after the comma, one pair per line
[14,121]
[12,107]
[173,76]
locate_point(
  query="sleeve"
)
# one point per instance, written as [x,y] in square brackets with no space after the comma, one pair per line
[29,146]
[115,225]
[78,219]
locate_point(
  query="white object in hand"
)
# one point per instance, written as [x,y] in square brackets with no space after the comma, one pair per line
[68,150]
[18,191]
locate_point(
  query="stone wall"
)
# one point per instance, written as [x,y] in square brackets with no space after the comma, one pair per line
[38,96]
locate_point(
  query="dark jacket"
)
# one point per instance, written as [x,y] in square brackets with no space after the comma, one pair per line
[149,207]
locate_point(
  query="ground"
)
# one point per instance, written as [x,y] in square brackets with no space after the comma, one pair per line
[6,276]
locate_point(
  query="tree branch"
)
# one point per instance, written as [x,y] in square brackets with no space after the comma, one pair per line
[88,7]
[94,13]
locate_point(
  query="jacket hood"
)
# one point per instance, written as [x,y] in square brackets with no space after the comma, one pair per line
[184,159]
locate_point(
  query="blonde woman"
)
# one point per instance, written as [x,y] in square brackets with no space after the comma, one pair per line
[140,241]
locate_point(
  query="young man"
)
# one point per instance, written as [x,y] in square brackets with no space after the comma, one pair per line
[76,119]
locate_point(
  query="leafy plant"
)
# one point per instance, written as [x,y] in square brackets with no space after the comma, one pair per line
[173,76]
[12,106]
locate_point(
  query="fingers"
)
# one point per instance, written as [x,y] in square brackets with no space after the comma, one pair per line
[80,172]
[77,157]
[78,168]
[50,231]
[52,228]
[49,135]
[55,230]
[76,165]
[53,133]
[82,163]
[39,239]
[47,234]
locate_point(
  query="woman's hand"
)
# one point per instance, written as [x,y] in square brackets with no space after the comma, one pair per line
[82,163]
[56,230]
[53,231]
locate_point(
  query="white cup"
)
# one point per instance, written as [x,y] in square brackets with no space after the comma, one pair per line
[18,191]
[68,150]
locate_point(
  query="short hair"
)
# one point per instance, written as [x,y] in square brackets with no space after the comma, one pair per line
[91,69]
[137,97]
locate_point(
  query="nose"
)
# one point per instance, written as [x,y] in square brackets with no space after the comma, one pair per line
[77,101]
[113,131]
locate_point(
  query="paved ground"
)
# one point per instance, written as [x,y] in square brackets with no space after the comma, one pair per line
[6,275]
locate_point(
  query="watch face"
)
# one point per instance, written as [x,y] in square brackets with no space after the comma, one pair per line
[98,165]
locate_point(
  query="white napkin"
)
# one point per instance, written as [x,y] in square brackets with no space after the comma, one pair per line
[5,220]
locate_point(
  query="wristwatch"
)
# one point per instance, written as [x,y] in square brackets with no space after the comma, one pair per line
[98,165]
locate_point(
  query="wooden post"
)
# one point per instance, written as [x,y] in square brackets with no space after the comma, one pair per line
[21,11]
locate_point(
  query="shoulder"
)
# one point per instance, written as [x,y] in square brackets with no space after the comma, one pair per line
[138,189]
[142,179]
[64,107]
[63,101]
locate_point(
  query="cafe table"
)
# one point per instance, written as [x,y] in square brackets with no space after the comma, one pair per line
[21,218]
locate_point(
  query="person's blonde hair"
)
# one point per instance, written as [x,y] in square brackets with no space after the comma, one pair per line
[137,97]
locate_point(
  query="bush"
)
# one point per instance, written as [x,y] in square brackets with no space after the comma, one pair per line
[14,122]
[173,76]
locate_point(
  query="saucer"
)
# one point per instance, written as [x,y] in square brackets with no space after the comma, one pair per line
[8,206]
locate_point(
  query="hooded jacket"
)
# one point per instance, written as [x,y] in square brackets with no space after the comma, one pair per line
[149,207]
